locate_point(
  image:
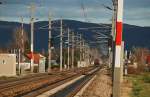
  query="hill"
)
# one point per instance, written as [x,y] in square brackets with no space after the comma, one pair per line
[132,35]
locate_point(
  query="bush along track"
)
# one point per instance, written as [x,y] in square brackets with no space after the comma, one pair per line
[140,85]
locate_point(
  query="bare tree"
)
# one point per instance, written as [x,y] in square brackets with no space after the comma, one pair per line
[139,56]
[20,40]
[4,50]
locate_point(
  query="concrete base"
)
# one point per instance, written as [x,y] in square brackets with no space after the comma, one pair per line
[80,93]
[121,73]
[59,88]
[116,82]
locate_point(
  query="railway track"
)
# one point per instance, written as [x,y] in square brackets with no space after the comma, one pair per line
[15,79]
[70,88]
[73,89]
[38,84]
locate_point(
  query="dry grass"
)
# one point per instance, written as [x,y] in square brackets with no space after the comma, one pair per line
[126,88]
[100,87]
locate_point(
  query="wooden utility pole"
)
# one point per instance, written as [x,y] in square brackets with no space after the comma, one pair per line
[21,49]
[80,48]
[83,50]
[125,65]
[68,49]
[49,43]
[19,66]
[110,57]
[61,35]
[22,35]
[72,58]
[113,32]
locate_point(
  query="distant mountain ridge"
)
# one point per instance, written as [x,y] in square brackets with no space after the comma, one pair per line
[132,35]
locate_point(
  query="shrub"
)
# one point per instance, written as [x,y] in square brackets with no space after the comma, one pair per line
[136,89]
[146,78]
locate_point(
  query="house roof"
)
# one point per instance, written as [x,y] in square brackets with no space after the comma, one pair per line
[148,59]
[36,56]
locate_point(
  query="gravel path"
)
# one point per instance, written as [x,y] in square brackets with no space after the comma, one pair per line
[126,88]
[100,87]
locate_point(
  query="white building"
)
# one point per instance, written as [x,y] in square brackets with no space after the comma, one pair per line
[7,64]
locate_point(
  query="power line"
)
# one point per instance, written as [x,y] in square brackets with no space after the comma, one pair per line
[84,11]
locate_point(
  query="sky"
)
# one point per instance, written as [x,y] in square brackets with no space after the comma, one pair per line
[136,12]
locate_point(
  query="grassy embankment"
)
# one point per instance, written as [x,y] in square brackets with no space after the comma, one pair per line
[140,85]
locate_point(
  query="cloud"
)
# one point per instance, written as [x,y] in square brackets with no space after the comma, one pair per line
[134,9]
[134,4]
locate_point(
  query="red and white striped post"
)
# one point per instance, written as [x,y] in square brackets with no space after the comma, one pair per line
[118,51]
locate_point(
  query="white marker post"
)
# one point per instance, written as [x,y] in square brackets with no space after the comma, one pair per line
[32,37]
[119,26]
[61,41]
[49,44]
[68,64]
